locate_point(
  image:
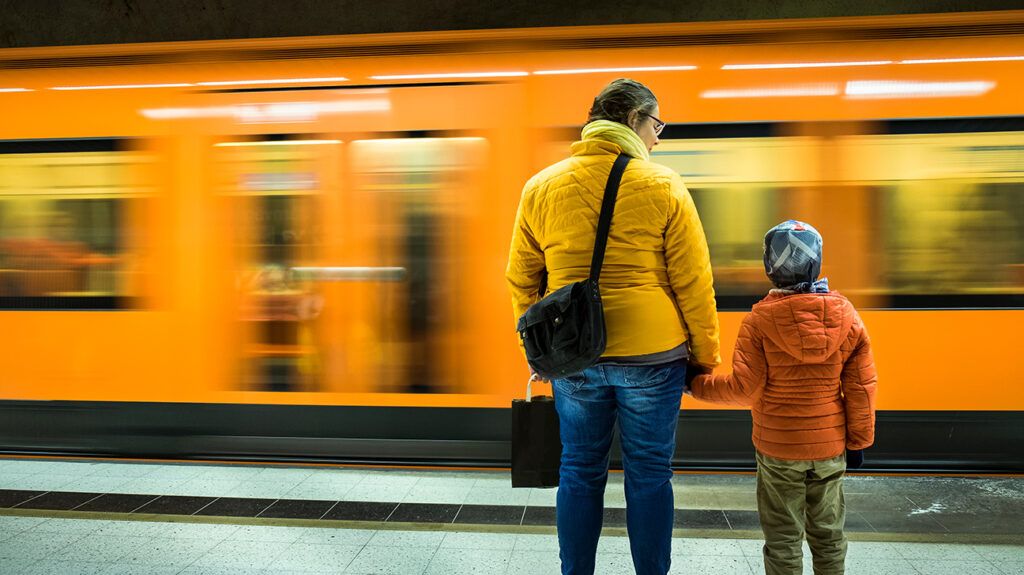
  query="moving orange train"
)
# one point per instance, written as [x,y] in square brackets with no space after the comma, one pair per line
[295,248]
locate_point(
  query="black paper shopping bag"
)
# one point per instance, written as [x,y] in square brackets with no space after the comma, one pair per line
[536,446]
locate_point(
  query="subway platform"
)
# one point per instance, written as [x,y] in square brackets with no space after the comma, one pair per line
[64,516]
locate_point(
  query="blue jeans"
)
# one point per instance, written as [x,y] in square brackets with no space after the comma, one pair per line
[645,401]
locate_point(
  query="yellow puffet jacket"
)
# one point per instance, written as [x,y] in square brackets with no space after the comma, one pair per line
[656,282]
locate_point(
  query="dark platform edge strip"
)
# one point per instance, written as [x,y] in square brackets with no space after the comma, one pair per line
[455,515]
[707,440]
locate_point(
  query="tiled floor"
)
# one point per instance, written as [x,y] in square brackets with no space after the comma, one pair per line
[468,522]
[68,546]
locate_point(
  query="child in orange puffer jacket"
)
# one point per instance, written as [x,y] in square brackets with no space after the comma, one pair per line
[803,364]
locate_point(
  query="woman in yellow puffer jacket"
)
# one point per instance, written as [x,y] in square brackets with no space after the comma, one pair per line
[659,305]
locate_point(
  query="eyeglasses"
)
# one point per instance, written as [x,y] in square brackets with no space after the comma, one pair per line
[658,124]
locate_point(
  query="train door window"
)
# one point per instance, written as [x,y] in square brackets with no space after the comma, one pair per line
[735,236]
[406,215]
[70,230]
[741,187]
[273,189]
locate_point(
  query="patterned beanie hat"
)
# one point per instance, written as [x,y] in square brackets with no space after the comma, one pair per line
[792,254]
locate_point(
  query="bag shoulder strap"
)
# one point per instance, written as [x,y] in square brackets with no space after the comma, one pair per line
[604,222]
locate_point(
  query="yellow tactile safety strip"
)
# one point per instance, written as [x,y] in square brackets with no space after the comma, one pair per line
[963,538]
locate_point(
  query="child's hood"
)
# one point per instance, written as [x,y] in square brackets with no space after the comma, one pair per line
[810,327]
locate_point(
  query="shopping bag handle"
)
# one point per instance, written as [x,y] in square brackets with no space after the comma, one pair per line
[529,386]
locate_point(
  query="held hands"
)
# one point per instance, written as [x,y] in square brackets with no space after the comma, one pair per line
[692,371]
[854,458]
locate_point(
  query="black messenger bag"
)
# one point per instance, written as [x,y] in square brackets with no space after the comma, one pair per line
[564,333]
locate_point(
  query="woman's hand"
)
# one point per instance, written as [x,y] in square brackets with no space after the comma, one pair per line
[692,371]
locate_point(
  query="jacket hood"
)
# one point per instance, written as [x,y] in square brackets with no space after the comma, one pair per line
[809,327]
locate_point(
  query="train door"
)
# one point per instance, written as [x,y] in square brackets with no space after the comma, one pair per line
[366,260]
[273,191]
[401,264]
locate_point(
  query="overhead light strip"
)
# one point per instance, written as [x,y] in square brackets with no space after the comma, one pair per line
[10,90]
[782,65]
[451,75]
[608,70]
[122,86]
[961,60]
[910,89]
[774,91]
[273,81]
[209,83]
[271,112]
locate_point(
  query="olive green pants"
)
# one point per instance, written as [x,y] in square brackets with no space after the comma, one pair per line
[798,497]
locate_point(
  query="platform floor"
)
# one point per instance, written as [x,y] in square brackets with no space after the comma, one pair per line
[90,516]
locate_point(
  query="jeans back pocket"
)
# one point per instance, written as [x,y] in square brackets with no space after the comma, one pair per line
[651,375]
[570,384]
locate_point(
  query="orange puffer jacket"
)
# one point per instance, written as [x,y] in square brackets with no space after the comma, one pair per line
[803,363]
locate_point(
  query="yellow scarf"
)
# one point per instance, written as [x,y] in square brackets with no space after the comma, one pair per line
[618,134]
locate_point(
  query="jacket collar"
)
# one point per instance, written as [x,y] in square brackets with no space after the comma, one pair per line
[621,135]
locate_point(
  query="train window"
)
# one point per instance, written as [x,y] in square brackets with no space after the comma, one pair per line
[954,238]
[67,239]
[951,211]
